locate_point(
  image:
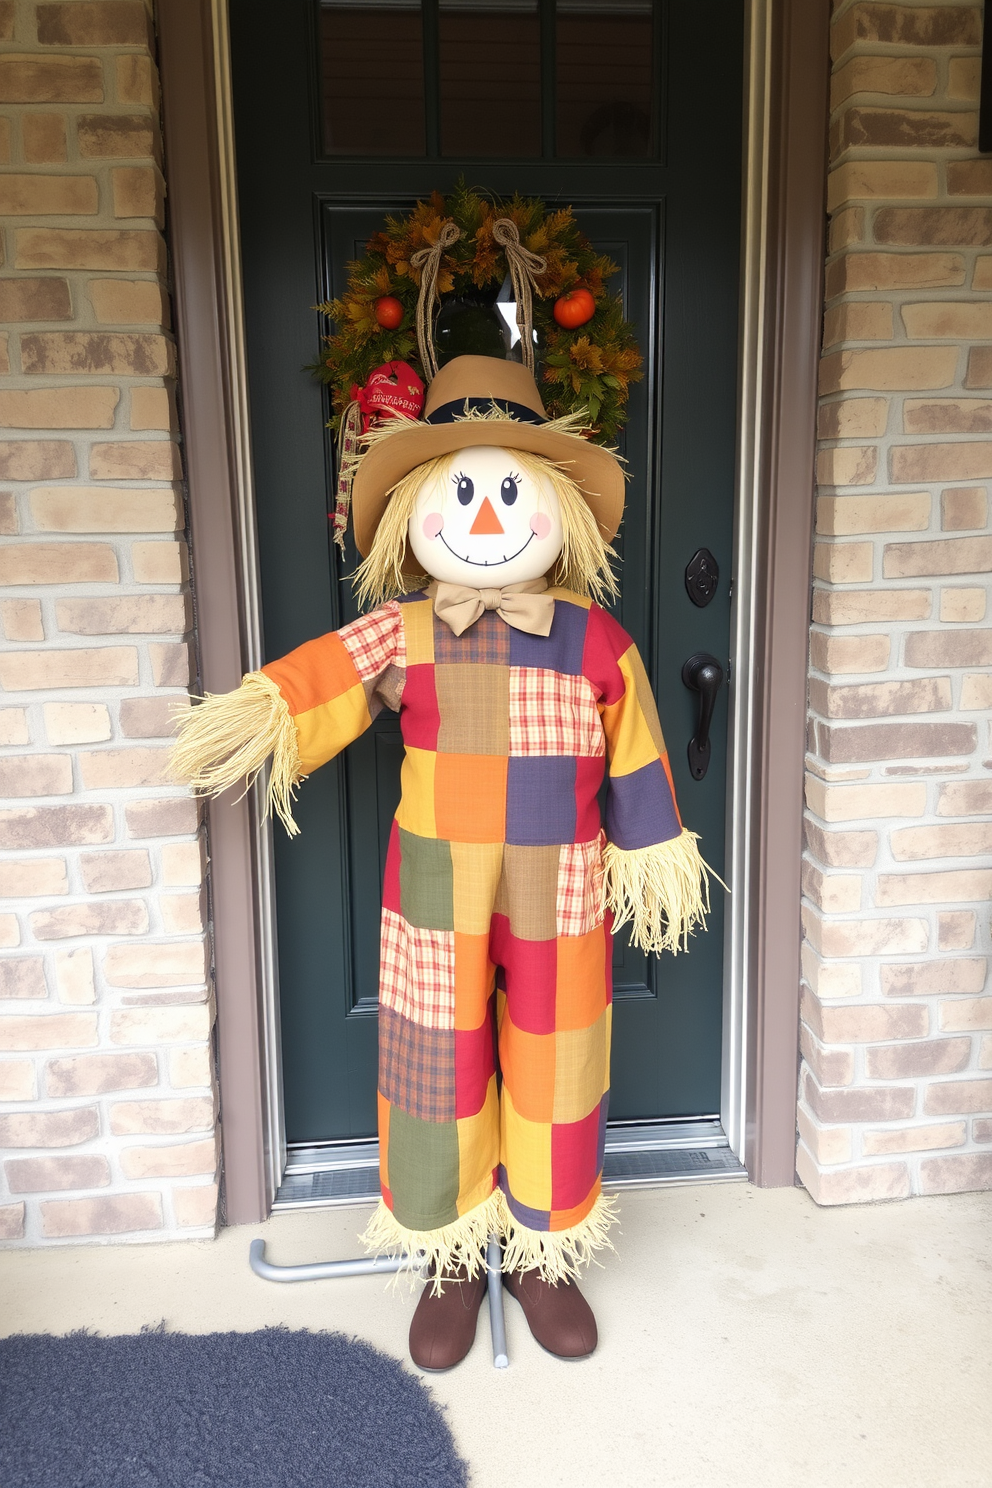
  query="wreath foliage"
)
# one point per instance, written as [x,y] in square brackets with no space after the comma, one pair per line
[589,368]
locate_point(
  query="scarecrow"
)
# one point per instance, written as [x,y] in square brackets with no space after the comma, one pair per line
[485,529]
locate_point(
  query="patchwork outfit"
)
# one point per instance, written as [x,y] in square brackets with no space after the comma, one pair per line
[495,990]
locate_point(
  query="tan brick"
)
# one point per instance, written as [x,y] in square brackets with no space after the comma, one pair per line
[969,178]
[843,563]
[938,227]
[843,515]
[152,408]
[159,562]
[48,1174]
[118,352]
[957,840]
[109,768]
[857,180]
[948,416]
[942,1175]
[6,138]
[828,1144]
[967,320]
[54,1031]
[130,302]
[865,937]
[59,408]
[76,723]
[47,196]
[183,914]
[885,368]
[159,1025]
[913,1138]
[58,563]
[831,978]
[22,619]
[963,885]
[866,606]
[857,320]
[981,1129]
[963,78]
[965,798]
[958,25]
[74,976]
[191,1067]
[8,505]
[36,459]
[860,1103]
[979,373]
[22,977]
[949,555]
[860,1025]
[137,81]
[853,418]
[99,23]
[95,509]
[962,606]
[195,1207]
[119,248]
[863,126]
[851,802]
[911,1061]
[846,227]
[957,1097]
[162,1117]
[117,1214]
[848,465]
[14,726]
[949,648]
[28,78]
[880,699]
[962,507]
[33,299]
[144,614]
[172,1160]
[841,849]
[985,1053]
[113,917]
[110,872]
[951,975]
[909,76]
[139,191]
[169,816]
[17,1080]
[43,139]
[174,963]
[109,666]
[35,774]
[152,717]
[834,893]
[4,353]
[172,665]
[870,271]
[183,864]
[97,1074]
[966,1014]
[976,692]
[934,462]
[117,136]
[956,931]
[11,1221]
[33,877]
[830,1066]
[135,459]
[833,654]
[50,1128]
[56,826]
[982,277]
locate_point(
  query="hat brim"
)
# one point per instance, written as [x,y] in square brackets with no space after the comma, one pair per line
[597,473]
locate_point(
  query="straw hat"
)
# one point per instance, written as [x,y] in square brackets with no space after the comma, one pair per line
[482,385]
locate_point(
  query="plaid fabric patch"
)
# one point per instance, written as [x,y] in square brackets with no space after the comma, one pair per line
[417,972]
[375,641]
[417,1067]
[553,713]
[486,642]
[579,903]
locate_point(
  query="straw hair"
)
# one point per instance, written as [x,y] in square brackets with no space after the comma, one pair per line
[583,565]
[663,892]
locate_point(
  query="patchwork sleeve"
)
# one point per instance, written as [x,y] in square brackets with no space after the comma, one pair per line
[655,878]
[301,710]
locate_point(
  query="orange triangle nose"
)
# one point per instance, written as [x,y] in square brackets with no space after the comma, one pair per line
[486,520]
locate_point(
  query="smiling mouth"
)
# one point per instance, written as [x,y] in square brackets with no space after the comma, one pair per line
[496,562]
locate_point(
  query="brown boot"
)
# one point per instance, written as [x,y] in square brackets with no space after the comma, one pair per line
[559,1316]
[443,1328]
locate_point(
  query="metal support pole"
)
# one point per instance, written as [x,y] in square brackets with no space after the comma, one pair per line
[497,1322]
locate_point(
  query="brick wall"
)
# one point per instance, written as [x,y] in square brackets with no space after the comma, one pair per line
[896,1082]
[106,1076]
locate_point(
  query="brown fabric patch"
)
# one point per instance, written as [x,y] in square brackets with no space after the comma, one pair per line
[474,707]
[486,642]
[528,891]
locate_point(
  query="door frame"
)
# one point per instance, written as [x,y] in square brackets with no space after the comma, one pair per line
[781,296]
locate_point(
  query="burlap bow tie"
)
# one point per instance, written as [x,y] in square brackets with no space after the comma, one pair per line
[526,606]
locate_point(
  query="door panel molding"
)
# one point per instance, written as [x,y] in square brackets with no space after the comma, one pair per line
[781,305]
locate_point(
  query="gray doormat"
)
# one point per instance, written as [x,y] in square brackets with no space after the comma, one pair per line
[272,1409]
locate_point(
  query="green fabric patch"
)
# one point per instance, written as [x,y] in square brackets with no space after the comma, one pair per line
[426,894]
[423,1170]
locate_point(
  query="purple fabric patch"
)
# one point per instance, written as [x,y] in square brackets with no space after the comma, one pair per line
[639,808]
[532,1219]
[540,799]
[561,651]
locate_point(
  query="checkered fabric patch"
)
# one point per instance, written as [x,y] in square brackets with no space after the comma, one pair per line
[417,971]
[579,903]
[417,1067]
[553,713]
[374,641]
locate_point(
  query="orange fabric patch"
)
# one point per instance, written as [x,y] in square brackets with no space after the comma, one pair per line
[470,797]
[383,1139]
[564,1219]
[528,1064]
[314,673]
[473,981]
[580,984]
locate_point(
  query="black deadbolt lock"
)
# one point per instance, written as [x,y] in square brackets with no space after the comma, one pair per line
[702,577]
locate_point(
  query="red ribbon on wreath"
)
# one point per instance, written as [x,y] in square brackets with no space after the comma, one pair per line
[391,391]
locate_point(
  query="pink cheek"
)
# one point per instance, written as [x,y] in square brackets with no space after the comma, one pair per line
[433,523]
[540,524]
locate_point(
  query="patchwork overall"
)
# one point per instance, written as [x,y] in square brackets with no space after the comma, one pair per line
[495,991]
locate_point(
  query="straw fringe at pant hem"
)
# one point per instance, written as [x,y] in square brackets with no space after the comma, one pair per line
[557,1254]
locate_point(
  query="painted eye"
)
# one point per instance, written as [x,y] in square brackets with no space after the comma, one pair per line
[466,489]
[508,490]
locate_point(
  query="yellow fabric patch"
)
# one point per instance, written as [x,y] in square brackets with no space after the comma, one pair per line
[475,870]
[416,809]
[478,1152]
[627,731]
[325,730]
[525,1149]
[418,627]
[582,1070]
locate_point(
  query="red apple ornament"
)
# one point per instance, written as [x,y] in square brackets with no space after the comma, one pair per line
[389,312]
[574,308]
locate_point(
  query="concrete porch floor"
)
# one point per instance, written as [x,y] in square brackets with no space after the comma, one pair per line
[748,1338]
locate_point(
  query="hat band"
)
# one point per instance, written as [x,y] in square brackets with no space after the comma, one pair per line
[450,413]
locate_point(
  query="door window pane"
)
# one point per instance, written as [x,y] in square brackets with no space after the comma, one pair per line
[372,78]
[490,73]
[605,69]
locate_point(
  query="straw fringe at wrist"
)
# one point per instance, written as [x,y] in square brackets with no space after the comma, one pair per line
[227,737]
[557,1254]
[663,891]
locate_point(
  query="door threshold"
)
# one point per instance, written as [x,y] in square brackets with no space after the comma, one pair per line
[643,1154]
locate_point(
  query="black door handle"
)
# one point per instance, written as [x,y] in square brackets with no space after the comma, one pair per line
[704,674]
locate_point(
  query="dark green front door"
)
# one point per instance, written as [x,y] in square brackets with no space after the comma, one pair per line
[345,113]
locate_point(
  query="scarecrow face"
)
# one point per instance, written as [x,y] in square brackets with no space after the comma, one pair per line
[485,521]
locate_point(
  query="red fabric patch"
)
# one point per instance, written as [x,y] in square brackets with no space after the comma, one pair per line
[419,716]
[574,1160]
[531,968]
[606,642]
[391,878]
[475,1064]
[588,779]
